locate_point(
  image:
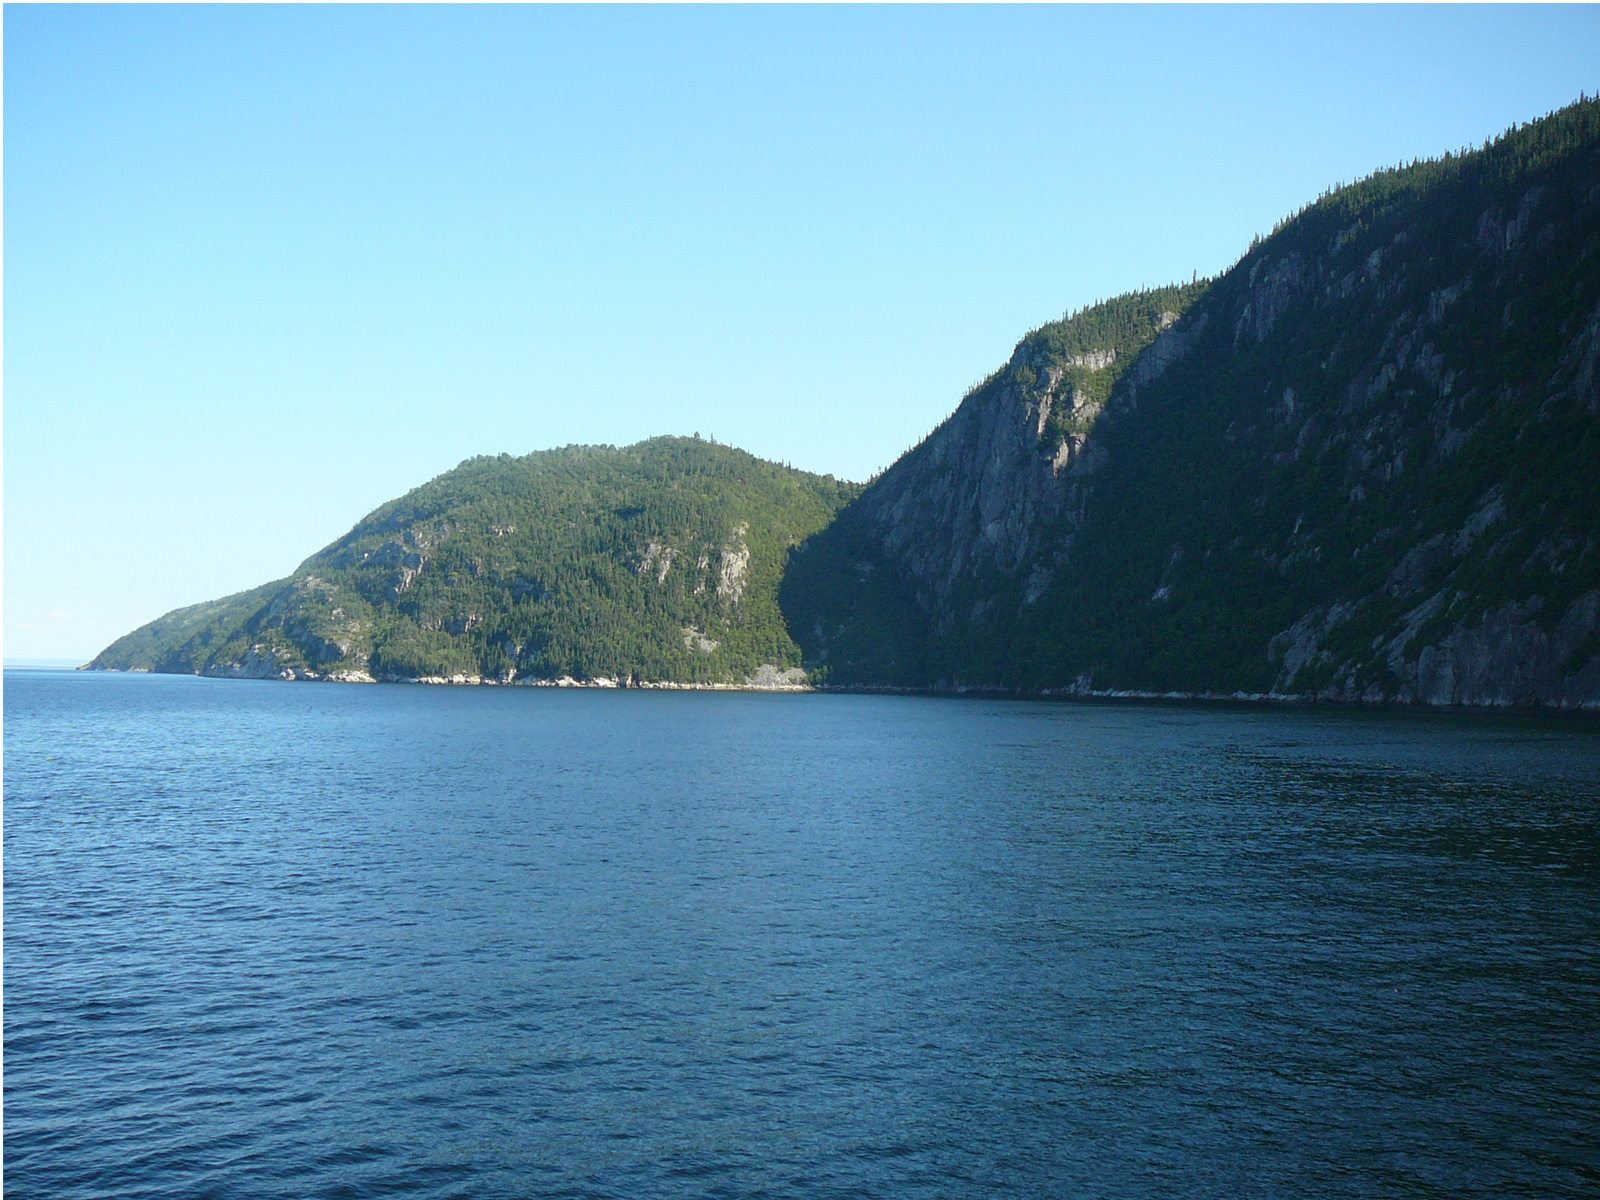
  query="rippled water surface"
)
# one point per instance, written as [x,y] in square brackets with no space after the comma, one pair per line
[270,940]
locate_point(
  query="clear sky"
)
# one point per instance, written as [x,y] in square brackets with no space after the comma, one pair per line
[266,268]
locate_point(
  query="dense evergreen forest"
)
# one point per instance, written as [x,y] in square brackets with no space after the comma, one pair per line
[657,562]
[1359,464]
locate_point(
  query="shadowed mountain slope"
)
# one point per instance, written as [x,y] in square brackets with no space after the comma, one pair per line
[1360,464]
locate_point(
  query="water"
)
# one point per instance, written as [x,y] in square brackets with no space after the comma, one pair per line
[269,940]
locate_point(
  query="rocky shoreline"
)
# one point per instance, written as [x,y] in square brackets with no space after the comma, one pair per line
[1588,707]
[794,680]
[767,679]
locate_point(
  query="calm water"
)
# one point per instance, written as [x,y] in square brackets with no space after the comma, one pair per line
[305,940]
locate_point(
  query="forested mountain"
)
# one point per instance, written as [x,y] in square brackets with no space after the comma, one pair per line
[1359,464]
[658,562]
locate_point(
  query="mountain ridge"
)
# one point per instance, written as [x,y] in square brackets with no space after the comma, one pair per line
[1355,466]
[655,563]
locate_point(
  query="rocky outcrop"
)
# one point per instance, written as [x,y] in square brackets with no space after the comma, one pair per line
[770,678]
[1507,658]
[1358,466]
[258,663]
[694,638]
[1503,658]
[657,562]
[733,564]
[976,492]
[998,489]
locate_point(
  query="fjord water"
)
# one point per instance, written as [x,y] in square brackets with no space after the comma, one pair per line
[271,940]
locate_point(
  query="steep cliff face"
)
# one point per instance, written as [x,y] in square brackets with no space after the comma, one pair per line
[979,509]
[1360,465]
[982,490]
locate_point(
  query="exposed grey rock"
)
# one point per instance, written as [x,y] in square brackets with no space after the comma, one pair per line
[734,562]
[1279,284]
[1099,360]
[1507,658]
[770,678]
[659,558]
[1301,643]
[694,638]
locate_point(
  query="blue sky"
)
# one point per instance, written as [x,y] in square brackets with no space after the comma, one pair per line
[268,267]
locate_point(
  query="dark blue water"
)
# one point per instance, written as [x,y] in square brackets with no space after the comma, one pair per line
[269,940]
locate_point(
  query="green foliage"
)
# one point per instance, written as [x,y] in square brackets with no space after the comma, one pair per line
[854,614]
[1421,344]
[182,640]
[660,560]
[1120,327]
[1398,364]
[1376,430]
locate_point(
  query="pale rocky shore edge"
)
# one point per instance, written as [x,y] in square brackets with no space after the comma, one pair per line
[1290,699]
[795,679]
[767,678]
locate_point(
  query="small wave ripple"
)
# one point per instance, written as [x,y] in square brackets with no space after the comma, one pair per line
[342,942]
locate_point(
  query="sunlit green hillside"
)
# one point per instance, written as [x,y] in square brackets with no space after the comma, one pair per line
[659,561]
